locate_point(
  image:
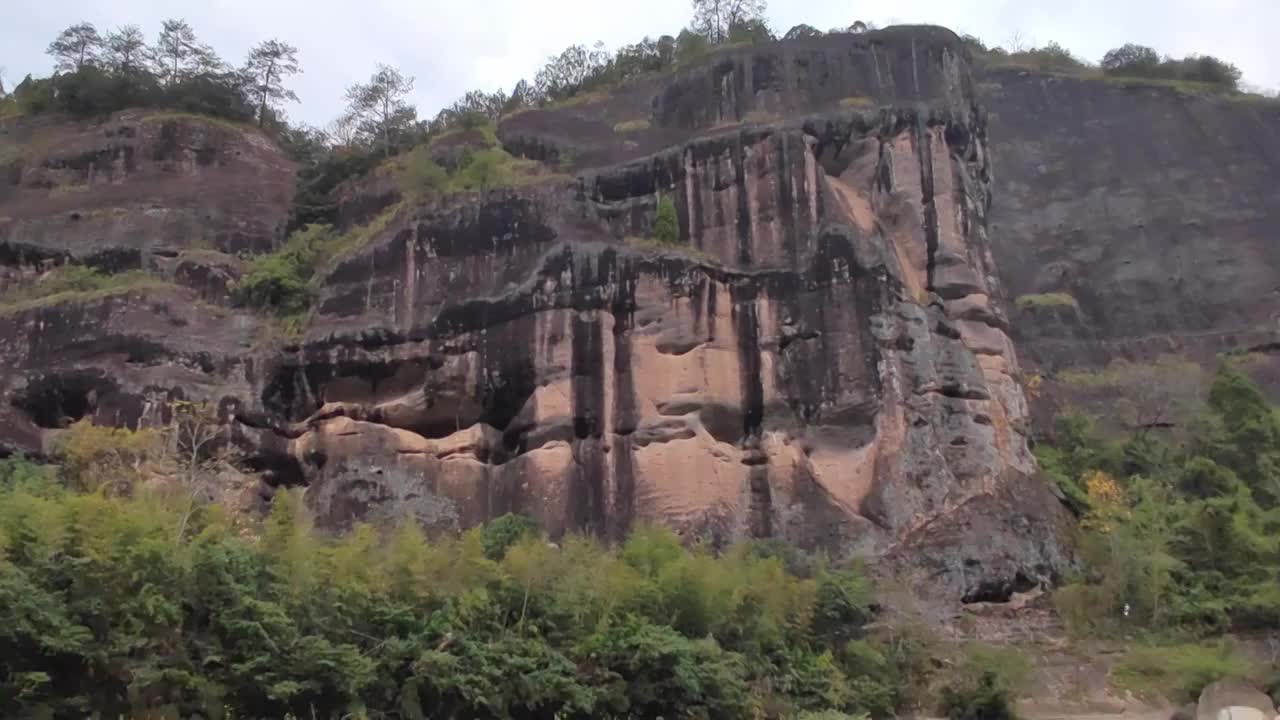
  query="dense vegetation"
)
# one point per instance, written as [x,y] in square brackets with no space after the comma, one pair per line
[1181,513]
[120,595]
[100,74]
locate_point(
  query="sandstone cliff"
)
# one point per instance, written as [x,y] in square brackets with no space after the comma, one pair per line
[823,357]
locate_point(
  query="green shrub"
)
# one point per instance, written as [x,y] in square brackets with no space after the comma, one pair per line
[502,532]
[9,107]
[19,473]
[10,155]
[666,227]
[1052,58]
[281,281]
[420,175]
[480,169]
[987,698]
[486,169]
[93,91]
[843,602]
[1179,525]
[1143,63]
[691,45]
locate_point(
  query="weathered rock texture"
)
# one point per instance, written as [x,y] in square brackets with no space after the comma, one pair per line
[174,194]
[1153,209]
[823,358]
[141,186]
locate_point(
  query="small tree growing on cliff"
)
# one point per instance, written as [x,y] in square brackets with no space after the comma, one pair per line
[380,106]
[666,226]
[192,444]
[76,47]
[268,64]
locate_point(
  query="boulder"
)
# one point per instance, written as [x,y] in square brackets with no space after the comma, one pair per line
[1234,700]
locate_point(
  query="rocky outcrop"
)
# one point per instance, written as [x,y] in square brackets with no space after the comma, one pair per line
[1234,700]
[141,186]
[117,358]
[753,85]
[822,358]
[176,195]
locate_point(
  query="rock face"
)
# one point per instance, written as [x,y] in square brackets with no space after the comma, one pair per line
[175,195]
[1153,210]
[822,358]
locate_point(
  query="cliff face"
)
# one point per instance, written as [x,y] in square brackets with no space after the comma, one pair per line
[141,185]
[822,358]
[1154,211]
[173,195]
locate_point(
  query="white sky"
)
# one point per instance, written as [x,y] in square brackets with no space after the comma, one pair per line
[451,47]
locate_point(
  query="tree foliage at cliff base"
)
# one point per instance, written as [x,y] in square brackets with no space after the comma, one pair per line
[129,601]
[1180,518]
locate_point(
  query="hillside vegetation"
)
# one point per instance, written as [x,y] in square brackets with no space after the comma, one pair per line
[122,597]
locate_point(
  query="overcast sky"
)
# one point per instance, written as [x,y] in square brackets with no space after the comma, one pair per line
[451,47]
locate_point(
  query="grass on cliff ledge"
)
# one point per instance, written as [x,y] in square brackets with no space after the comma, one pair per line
[482,169]
[1053,299]
[631,126]
[74,283]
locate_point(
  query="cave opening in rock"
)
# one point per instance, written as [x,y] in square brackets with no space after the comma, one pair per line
[57,400]
[999,589]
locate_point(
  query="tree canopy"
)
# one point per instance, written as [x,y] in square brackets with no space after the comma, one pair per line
[129,600]
[267,66]
[75,47]
[1182,528]
[380,106]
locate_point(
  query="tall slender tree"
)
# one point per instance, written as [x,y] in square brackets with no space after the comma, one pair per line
[380,104]
[178,55]
[75,47]
[125,49]
[268,64]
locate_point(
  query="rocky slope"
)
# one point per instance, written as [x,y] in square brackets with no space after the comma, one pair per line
[824,357]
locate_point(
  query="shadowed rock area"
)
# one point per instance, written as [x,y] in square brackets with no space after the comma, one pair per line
[823,357]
